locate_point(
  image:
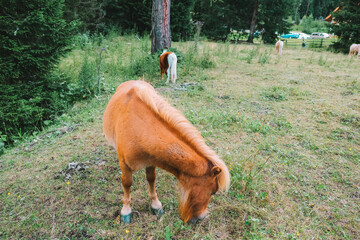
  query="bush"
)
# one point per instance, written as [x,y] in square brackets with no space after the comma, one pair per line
[26,108]
[33,36]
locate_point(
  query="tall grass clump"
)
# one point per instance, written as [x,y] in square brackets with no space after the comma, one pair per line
[87,77]
[251,54]
[264,57]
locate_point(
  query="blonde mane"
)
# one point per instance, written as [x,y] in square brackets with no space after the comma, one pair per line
[159,105]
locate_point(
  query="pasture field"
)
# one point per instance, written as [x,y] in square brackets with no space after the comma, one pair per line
[288,127]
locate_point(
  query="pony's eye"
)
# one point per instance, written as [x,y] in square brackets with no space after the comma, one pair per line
[212,193]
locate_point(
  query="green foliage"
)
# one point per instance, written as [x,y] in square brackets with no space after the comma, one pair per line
[309,25]
[318,8]
[251,54]
[33,36]
[217,18]
[87,77]
[135,16]
[26,108]
[276,93]
[129,16]
[264,57]
[181,26]
[272,18]
[348,25]
[89,14]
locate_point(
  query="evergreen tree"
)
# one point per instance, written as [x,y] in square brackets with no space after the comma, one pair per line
[129,16]
[90,14]
[136,16]
[180,20]
[272,18]
[33,36]
[347,25]
[318,8]
[218,18]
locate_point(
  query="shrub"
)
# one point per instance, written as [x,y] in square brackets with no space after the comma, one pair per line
[33,36]
[25,108]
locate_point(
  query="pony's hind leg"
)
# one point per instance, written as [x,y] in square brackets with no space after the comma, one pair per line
[168,75]
[126,181]
[156,205]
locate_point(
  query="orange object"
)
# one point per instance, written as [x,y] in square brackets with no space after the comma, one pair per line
[147,133]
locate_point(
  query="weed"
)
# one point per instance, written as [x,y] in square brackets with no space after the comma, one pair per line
[350,120]
[322,61]
[251,54]
[276,93]
[264,57]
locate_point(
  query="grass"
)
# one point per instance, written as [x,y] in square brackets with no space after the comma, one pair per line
[287,127]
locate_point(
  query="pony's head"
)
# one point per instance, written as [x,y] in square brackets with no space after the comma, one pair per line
[195,194]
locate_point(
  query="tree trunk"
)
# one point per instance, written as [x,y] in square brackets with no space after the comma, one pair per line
[160,32]
[253,22]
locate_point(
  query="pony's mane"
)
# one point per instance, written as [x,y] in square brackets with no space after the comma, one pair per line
[169,114]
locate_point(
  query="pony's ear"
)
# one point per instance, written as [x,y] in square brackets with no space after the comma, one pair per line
[215,171]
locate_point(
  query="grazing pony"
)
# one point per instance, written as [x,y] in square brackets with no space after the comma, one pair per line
[354,49]
[168,62]
[147,133]
[279,46]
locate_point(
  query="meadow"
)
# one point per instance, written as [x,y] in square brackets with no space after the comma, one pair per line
[288,128]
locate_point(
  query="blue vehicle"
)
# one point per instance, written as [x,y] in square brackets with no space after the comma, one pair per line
[290,35]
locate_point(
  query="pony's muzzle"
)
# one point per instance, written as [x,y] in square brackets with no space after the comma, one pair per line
[199,218]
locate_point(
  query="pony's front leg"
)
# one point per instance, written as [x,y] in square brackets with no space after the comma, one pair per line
[156,206]
[126,181]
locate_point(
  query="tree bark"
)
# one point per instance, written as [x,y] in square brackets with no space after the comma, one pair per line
[160,31]
[253,22]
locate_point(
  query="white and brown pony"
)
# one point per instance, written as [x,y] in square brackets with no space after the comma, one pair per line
[354,49]
[279,46]
[147,133]
[168,63]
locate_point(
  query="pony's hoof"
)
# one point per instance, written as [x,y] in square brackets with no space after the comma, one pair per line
[126,218]
[157,212]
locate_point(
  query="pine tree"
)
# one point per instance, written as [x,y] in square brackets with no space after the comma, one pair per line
[180,21]
[271,18]
[346,25]
[128,15]
[33,36]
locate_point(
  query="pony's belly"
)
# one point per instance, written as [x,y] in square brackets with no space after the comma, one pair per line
[137,164]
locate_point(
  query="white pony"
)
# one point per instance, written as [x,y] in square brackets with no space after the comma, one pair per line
[354,49]
[279,46]
[168,62]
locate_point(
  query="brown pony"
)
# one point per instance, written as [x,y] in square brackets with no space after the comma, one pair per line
[147,133]
[168,63]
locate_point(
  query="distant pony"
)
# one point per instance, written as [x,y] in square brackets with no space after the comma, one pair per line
[147,133]
[168,62]
[354,49]
[279,46]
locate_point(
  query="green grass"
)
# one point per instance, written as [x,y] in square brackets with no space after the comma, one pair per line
[287,127]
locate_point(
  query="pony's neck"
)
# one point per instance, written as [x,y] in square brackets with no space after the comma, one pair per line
[182,159]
